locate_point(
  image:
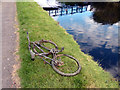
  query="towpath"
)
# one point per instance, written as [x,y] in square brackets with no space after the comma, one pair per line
[8,43]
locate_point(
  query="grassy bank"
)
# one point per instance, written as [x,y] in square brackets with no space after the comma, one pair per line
[34,74]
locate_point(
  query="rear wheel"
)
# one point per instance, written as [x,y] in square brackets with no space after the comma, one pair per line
[66,65]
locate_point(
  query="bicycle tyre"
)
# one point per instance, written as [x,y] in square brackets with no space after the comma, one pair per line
[46,41]
[66,74]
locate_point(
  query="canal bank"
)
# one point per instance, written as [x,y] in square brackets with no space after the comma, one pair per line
[34,74]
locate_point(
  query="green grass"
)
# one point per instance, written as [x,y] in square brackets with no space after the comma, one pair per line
[34,74]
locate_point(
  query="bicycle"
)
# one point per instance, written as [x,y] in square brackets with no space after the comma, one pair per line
[58,64]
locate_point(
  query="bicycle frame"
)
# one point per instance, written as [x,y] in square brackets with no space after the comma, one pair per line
[56,58]
[34,53]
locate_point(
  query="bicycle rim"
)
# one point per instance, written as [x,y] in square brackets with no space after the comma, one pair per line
[69,66]
[47,45]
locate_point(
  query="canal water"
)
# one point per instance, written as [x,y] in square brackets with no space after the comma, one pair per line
[96,31]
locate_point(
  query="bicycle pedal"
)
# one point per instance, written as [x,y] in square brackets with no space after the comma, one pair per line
[60,63]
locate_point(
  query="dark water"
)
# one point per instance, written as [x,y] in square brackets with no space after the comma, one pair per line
[96,31]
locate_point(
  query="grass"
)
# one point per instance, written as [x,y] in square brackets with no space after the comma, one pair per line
[34,74]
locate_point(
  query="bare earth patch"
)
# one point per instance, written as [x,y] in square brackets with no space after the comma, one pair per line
[16,67]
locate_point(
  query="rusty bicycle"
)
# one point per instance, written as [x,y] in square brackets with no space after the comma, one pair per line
[63,64]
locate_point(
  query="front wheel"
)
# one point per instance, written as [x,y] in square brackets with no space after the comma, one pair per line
[66,65]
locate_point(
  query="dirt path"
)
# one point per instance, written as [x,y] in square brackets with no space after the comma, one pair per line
[9,44]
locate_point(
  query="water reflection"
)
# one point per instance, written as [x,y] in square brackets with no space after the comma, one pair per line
[106,13]
[97,39]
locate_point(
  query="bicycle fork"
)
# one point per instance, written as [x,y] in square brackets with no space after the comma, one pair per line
[29,46]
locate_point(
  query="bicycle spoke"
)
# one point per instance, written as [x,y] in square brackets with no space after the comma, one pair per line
[66,64]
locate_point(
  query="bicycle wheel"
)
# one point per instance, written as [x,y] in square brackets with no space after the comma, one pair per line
[46,44]
[66,65]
